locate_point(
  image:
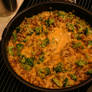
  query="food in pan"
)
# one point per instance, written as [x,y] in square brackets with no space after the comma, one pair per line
[52,49]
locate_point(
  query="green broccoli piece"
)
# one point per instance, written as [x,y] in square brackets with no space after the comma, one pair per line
[26,67]
[47,71]
[58,68]
[81,62]
[14,36]
[22,59]
[57,82]
[73,76]
[70,27]
[30,61]
[38,30]
[62,14]
[89,72]
[87,31]
[77,45]
[89,43]
[45,42]
[49,22]
[10,50]
[65,82]
[43,72]
[41,57]
[17,29]
[19,47]
[30,31]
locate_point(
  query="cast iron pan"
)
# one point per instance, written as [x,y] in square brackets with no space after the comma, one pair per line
[47,6]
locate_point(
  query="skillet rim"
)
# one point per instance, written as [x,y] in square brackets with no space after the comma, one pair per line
[20,78]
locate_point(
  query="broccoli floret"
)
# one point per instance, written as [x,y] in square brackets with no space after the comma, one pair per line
[45,42]
[47,71]
[17,29]
[70,27]
[49,22]
[81,62]
[19,47]
[10,50]
[43,72]
[41,57]
[30,61]
[89,43]
[14,36]
[62,14]
[26,67]
[38,30]
[89,72]
[57,82]
[58,68]
[65,82]
[22,59]
[77,45]
[30,31]
[73,76]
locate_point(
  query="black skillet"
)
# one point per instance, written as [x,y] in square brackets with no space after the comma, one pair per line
[48,6]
